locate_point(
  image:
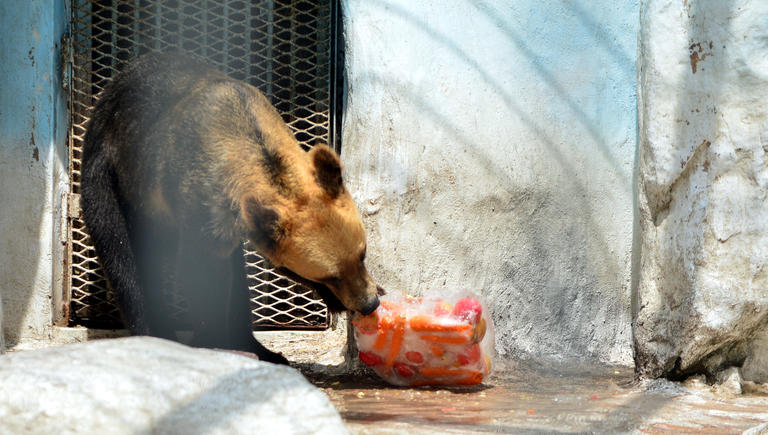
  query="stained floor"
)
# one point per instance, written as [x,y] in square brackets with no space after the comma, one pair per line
[531,400]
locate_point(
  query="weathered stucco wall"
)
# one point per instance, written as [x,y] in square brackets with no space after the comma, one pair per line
[703,175]
[33,126]
[490,146]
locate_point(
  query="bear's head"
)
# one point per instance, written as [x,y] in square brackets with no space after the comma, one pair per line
[309,226]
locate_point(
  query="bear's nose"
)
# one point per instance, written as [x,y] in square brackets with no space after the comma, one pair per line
[370,307]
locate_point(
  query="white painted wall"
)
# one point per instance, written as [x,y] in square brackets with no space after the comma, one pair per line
[703,173]
[491,145]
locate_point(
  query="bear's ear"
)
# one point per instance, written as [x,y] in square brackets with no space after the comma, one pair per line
[327,169]
[263,223]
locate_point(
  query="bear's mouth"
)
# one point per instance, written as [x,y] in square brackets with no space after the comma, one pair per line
[330,299]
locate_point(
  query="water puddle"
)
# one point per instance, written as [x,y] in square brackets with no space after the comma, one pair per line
[538,400]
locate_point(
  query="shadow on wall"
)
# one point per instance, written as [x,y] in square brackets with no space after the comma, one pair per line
[29,92]
[601,38]
[534,267]
[529,209]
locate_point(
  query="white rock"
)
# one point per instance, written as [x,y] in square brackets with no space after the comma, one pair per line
[147,385]
[760,429]
[697,382]
[702,279]
[755,366]
[729,382]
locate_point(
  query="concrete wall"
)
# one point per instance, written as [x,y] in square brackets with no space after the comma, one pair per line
[703,177]
[490,145]
[33,123]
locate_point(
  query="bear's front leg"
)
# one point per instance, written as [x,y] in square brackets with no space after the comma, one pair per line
[219,314]
[204,278]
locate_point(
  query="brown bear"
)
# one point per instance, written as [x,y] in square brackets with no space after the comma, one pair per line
[180,164]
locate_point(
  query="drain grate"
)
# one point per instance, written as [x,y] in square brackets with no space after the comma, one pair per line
[285,48]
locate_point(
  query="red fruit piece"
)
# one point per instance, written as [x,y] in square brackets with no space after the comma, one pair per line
[468,309]
[404,370]
[414,357]
[470,356]
[370,358]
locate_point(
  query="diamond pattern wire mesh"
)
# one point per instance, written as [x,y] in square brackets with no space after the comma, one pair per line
[282,47]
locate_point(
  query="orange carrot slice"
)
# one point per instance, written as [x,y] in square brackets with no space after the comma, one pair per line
[397,339]
[446,371]
[385,324]
[470,380]
[422,323]
[449,339]
[381,340]
[437,351]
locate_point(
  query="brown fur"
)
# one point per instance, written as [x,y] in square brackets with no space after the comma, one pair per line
[181,163]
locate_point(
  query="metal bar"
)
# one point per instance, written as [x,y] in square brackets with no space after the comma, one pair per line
[335,85]
[158,19]
[248,22]
[270,55]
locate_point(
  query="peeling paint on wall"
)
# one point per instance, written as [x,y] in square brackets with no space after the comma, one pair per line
[699,54]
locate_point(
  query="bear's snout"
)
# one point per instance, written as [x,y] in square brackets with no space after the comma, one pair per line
[370,306]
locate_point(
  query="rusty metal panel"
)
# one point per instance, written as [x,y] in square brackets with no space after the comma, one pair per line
[285,48]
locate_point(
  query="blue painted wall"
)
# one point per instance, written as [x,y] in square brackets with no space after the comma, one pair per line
[33,126]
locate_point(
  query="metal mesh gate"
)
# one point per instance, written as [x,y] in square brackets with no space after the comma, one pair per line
[283,47]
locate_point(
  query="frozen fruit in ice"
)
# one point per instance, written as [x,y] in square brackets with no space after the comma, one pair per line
[414,357]
[367,324]
[370,358]
[471,355]
[468,309]
[404,370]
[479,332]
[442,309]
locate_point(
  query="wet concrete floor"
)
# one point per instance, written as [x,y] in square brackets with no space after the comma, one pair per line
[606,400]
